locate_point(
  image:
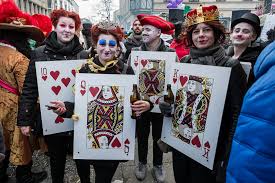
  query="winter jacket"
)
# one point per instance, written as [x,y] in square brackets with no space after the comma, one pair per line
[180,48]
[252,157]
[130,43]
[51,51]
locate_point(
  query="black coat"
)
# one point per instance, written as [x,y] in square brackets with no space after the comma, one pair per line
[50,51]
[130,43]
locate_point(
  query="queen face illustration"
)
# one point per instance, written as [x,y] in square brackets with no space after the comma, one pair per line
[103,142]
[107,92]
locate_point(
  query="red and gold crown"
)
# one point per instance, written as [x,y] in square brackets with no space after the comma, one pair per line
[196,78]
[202,14]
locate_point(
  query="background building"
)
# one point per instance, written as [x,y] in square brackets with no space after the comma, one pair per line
[128,9]
[46,6]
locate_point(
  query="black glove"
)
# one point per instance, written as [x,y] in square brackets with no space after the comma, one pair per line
[165,108]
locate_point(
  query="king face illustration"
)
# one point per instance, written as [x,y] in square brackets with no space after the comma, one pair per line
[105,117]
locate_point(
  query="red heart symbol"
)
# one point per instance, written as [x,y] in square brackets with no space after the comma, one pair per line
[136,64]
[94,91]
[66,81]
[73,72]
[59,119]
[44,78]
[56,89]
[127,141]
[174,80]
[196,141]
[207,145]
[54,74]
[82,92]
[144,62]
[116,143]
[183,80]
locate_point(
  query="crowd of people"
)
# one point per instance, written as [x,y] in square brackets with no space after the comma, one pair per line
[245,152]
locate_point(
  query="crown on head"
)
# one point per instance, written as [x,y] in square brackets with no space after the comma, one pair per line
[196,78]
[202,14]
[107,25]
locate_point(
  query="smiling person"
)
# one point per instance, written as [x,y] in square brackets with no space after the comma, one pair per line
[105,37]
[244,31]
[61,44]
[205,34]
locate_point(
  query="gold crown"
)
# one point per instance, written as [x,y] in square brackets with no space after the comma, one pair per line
[202,14]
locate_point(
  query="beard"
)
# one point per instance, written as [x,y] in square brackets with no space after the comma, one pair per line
[137,31]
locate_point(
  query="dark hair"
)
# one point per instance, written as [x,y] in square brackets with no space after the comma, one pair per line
[56,14]
[218,28]
[17,39]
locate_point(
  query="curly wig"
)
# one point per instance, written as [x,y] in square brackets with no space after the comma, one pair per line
[106,28]
[218,28]
[56,14]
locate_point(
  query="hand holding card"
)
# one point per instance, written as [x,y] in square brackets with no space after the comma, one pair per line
[58,107]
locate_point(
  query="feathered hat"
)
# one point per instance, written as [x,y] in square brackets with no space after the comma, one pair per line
[12,18]
[44,23]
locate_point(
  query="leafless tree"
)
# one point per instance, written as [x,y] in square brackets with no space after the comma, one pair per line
[104,9]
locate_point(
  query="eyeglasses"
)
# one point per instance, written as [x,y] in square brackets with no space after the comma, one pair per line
[103,42]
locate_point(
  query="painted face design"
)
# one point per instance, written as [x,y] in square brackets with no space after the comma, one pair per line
[65,29]
[203,36]
[106,47]
[242,34]
[191,85]
[107,92]
[103,142]
[137,27]
[150,33]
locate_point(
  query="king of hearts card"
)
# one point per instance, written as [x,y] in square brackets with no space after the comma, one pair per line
[105,129]
[200,93]
[151,69]
[55,80]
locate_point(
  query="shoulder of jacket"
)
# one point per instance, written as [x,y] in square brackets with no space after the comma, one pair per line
[84,54]
[231,62]
[185,59]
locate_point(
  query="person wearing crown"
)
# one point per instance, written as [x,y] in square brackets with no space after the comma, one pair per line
[105,38]
[204,34]
[60,44]
[16,28]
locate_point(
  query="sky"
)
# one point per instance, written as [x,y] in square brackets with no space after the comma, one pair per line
[89,8]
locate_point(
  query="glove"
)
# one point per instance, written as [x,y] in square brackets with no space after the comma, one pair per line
[165,108]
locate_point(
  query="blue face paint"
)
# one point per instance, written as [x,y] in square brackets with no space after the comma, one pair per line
[102,42]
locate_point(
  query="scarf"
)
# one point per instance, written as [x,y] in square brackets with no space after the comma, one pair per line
[71,48]
[96,68]
[215,56]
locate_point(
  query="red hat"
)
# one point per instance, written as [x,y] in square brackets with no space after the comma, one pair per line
[202,14]
[156,21]
[44,23]
[12,18]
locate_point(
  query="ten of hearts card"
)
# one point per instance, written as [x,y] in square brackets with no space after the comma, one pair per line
[200,93]
[55,81]
[151,69]
[105,129]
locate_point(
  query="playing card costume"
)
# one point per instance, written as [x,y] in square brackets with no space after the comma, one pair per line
[104,115]
[59,145]
[186,169]
[252,154]
[16,28]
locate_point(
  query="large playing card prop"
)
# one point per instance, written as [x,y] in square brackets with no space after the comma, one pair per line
[105,129]
[151,69]
[200,93]
[55,81]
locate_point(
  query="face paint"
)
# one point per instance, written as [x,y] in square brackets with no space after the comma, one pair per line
[150,33]
[65,29]
[242,34]
[106,47]
[102,42]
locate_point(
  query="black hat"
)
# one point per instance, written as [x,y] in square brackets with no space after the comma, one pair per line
[251,19]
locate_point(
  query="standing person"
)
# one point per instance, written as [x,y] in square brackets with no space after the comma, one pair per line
[205,34]
[135,39]
[253,151]
[244,31]
[16,28]
[106,37]
[61,44]
[153,26]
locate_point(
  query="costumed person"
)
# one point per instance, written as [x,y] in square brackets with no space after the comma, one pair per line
[244,31]
[61,44]
[135,39]
[153,26]
[16,28]
[106,37]
[253,151]
[205,34]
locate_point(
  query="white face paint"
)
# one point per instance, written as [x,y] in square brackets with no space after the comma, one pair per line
[103,142]
[150,33]
[187,133]
[106,47]
[65,29]
[191,85]
[242,34]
